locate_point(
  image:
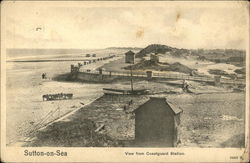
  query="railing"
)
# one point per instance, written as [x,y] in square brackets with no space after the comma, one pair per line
[116,73]
[164,75]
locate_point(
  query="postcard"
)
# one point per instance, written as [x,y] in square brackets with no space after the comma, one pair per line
[125,81]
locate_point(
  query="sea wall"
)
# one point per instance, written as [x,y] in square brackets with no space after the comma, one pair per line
[107,77]
[92,77]
[104,78]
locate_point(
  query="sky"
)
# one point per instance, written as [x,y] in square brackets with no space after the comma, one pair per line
[89,25]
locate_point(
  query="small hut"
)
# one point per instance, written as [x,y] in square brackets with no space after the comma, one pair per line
[217,79]
[74,69]
[157,123]
[154,58]
[129,57]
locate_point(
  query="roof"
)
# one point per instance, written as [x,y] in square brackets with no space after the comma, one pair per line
[174,107]
[129,53]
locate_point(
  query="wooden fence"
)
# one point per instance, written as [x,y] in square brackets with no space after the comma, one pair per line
[165,75]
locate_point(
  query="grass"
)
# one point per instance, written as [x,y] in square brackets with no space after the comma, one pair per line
[73,133]
[202,124]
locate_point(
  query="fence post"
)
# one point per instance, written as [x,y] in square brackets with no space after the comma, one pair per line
[149,74]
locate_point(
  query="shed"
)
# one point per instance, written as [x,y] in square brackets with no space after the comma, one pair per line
[129,57]
[157,123]
[217,79]
[74,69]
[154,58]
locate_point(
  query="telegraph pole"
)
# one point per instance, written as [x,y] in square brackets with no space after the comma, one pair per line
[132,89]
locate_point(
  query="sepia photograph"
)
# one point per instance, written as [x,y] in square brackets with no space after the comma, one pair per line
[125,75]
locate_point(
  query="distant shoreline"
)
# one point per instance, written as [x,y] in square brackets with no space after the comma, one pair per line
[54,60]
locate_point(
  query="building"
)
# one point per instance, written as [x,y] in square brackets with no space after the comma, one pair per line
[74,69]
[217,79]
[129,57]
[154,58]
[157,123]
[149,74]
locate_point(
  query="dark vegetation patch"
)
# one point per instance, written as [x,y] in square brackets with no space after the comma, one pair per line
[62,77]
[221,73]
[230,56]
[236,141]
[80,133]
[147,64]
[142,65]
[240,71]
[217,72]
[162,49]
[178,67]
[154,48]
